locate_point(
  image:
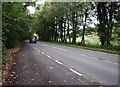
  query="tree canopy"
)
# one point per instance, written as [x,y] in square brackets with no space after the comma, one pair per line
[15,23]
[62,21]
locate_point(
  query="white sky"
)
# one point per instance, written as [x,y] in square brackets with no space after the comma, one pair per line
[40,1]
[32,9]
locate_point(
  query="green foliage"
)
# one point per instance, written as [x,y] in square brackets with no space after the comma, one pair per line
[106,13]
[4,54]
[15,23]
[15,26]
[51,18]
[62,21]
[116,29]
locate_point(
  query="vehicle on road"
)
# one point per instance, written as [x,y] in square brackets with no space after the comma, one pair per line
[33,39]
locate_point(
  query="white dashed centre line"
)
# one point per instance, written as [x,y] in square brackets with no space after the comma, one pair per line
[42,52]
[76,72]
[58,62]
[49,56]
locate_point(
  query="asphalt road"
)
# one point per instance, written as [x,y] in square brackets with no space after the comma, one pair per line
[92,65]
[33,67]
[45,63]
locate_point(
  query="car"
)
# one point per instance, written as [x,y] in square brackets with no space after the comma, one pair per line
[33,39]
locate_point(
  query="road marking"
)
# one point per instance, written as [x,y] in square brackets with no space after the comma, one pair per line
[104,60]
[54,47]
[109,61]
[76,72]
[58,62]
[44,44]
[49,56]
[42,52]
[60,49]
[100,59]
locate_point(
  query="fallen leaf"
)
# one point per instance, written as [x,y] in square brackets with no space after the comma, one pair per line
[25,66]
[13,72]
[10,81]
[32,79]
[49,82]
[11,75]
[14,77]
[17,75]
[16,82]
[37,73]
[29,83]
[14,63]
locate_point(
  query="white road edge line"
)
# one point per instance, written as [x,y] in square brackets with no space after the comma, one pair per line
[58,62]
[105,60]
[54,47]
[49,56]
[76,72]
[110,61]
[60,49]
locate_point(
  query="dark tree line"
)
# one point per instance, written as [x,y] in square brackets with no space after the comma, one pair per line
[59,21]
[107,13]
[62,21]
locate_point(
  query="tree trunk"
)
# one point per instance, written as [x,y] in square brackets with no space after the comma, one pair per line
[68,31]
[106,12]
[101,27]
[56,30]
[74,28]
[83,33]
[64,30]
[61,29]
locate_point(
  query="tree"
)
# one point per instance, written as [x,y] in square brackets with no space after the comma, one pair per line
[15,24]
[106,14]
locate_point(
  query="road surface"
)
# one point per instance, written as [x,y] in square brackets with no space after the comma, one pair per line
[46,63]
